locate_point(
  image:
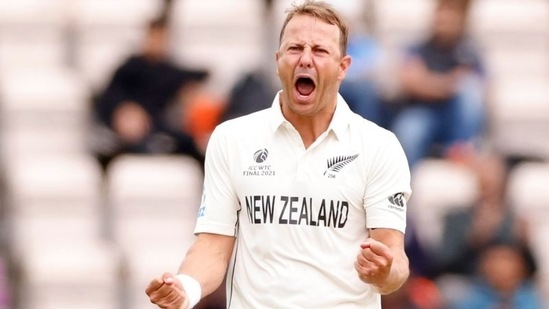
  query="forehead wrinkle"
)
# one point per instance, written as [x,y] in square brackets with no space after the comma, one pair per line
[316,36]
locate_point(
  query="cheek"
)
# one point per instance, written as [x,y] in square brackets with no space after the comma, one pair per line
[284,71]
[331,72]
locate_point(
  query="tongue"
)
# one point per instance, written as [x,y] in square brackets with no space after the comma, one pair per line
[305,86]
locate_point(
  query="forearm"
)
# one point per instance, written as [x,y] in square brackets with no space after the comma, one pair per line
[389,259]
[417,81]
[432,87]
[207,261]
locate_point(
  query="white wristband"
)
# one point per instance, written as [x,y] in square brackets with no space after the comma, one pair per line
[192,288]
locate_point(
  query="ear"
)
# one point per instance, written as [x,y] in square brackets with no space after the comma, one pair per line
[344,66]
[277,57]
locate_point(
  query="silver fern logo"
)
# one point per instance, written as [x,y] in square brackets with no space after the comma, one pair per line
[335,164]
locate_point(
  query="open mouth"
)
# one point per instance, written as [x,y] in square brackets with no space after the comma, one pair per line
[305,86]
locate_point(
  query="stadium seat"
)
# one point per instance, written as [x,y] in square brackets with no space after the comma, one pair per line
[53,198]
[511,23]
[439,186]
[32,33]
[519,111]
[523,63]
[106,32]
[516,54]
[43,111]
[55,219]
[154,202]
[398,23]
[528,193]
[225,37]
[349,8]
[78,275]
[528,190]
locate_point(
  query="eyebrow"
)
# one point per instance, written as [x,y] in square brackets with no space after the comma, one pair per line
[300,43]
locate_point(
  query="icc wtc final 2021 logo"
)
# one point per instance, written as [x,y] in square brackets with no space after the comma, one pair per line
[259,169]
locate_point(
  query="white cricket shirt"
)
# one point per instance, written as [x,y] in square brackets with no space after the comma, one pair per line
[299,215]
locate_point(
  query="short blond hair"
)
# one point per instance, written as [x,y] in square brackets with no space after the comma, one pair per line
[324,12]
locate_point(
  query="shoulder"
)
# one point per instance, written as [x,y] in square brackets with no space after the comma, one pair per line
[381,148]
[370,132]
[379,145]
[135,60]
[134,65]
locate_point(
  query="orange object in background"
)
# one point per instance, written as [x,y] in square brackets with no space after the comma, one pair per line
[202,116]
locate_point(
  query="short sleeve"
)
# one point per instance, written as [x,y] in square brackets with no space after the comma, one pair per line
[218,212]
[388,187]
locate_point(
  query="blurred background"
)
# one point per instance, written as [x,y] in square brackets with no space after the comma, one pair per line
[106,108]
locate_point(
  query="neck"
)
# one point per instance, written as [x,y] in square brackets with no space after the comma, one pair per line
[309,127]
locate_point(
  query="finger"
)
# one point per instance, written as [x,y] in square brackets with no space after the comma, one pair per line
[381,249]
[170,298]
[371,263]
[155,284]
[369,259]
[377,248]
[167,287]
[363,272]
[168,278]
[163,292]
[172,280]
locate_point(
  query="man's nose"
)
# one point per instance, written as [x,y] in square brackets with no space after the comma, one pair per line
[306,60]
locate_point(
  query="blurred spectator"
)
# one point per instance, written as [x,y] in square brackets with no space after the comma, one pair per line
[504,281]
[469,231]
[248,95]
[6,289]
[443,88]
[490,220]
[421,261]
[138,110]
[360,88]
[418,292]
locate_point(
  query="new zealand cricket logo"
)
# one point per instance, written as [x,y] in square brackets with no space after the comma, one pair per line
[335,164]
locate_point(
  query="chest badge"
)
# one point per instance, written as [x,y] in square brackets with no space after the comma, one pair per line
[335,164]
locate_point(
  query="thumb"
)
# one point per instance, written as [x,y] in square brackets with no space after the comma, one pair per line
[377,247]
[367,243]
[380,249]
[168,278]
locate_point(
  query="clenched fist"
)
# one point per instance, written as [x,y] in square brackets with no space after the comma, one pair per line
[374,262]
[167,292]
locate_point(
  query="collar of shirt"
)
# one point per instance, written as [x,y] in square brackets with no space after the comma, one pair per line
[338,125]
